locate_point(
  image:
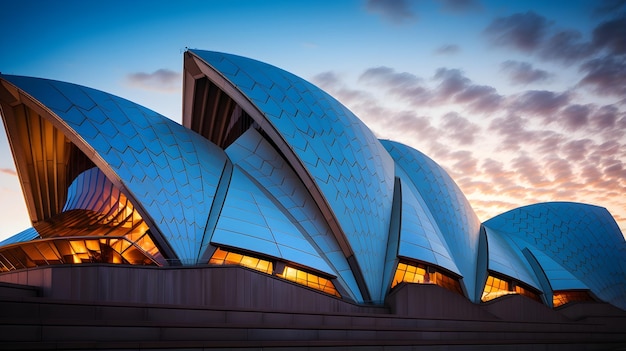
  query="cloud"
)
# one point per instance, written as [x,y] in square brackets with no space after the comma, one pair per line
[163,80]
[523,31]
[395,11]
[460,5]
[455,87]
[605,117]
[566,46]
[534,34]
[449,49]
[530,170]
[577,150]
[560,169]
[459,128]
[522,73]
[574,117]
[8,171]
[611,35]
[556,140]
[610,7]
[403,85]
[606,75]
[541,103]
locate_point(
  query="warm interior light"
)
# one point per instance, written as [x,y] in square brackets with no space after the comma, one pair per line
[311,280]
[223,257]
[562,297]
[418,273]
[72,251]
[496,287]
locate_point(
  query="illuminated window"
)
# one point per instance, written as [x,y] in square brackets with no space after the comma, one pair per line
[527,292]
[494,288]
[309,279]
[422,274]
[500,286]
[562,297]
[223,257]
[45,252]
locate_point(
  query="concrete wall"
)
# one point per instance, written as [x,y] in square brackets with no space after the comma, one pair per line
[232,287]
[134,308]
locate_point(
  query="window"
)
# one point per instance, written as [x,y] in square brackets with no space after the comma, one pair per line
[309,279]
[296,275]
[419,273]
[562,297]
[497,286]
[223,257]
[73,250]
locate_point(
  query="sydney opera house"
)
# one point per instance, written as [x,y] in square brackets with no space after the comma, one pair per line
[273,218]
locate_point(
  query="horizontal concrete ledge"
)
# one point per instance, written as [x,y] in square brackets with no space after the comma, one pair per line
[127,308]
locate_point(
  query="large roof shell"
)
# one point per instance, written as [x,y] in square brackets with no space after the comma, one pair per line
[448,206]
[350,175]
[168,171]
[582,239]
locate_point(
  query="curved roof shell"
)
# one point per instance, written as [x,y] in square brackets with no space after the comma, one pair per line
[448,206]
[350,174]
[169,171]
[582,239]
[271,164]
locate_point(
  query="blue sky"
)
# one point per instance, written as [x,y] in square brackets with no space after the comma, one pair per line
[521,101]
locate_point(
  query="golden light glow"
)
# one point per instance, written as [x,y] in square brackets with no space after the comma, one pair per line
[562,297]
[223,257]
[309,279]
[418,273]
[496,287]
[527,292]
[72,251]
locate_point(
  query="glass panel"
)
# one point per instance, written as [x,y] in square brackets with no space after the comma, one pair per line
[562,297]
[494,288]
[71,251]
[310,280]
[421,274]
[223,257]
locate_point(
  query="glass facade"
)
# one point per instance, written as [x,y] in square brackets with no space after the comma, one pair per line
[422,274]
[499,286]
[223,256]
[562,297]
[309,279]
[290,181]
[75,250]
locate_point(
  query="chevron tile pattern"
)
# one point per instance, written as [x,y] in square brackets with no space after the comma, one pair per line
[420,237]
[348,164]
[169,170]
[253,154]
[447,204]
[583,239]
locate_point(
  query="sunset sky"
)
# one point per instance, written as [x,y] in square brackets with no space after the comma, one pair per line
[521,101]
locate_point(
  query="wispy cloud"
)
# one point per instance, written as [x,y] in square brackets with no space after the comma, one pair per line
[8,171]
[460,5]
[163,80]
[609,7]
[395,11]
[606,75]
[522,73]
[523,31]
[532,146]
[449,49]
